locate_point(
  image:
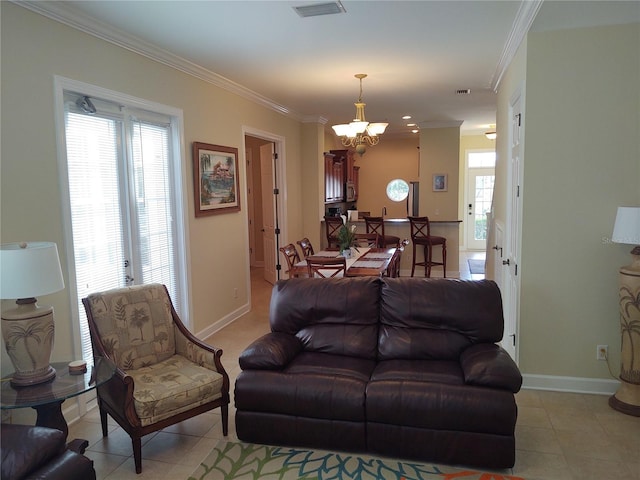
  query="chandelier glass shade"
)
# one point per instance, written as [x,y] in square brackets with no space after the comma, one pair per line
[359,133]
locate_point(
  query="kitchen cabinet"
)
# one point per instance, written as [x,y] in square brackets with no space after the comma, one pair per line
[333,178]
[349,159]
[340,168]
[356,180]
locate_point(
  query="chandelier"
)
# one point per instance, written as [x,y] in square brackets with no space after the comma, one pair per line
[360,133]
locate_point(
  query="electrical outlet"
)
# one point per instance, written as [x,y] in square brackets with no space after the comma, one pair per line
[602,352]
[235,293]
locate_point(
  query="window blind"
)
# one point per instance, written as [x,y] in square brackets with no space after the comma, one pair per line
[122,201]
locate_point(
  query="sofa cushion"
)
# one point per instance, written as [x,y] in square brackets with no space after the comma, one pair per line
[440,406]
[168,388]
[314,385]
[440,371]
[338,316]
[437,318]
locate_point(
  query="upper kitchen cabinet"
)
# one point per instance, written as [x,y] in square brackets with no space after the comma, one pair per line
[333,178]
[341,176]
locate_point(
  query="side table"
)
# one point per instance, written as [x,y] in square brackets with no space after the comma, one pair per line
[47,398]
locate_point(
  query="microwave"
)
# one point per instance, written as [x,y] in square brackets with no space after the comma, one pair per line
[350,192]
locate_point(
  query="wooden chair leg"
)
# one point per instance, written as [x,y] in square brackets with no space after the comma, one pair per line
[225,419]
[413,264]
[444,259]
[137,453]
[103,420]
[428,256]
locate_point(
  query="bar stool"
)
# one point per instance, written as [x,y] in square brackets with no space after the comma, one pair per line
[376,225]
[421,235]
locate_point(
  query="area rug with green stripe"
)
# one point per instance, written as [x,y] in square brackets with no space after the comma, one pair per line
[247,461]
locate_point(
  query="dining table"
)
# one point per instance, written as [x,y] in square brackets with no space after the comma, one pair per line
[364,262]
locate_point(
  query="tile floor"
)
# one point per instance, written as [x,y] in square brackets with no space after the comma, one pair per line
[559,436]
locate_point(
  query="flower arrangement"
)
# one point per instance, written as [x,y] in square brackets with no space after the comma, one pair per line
[347,237]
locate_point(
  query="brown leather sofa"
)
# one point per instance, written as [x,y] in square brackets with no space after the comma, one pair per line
[403,367]
[30,452]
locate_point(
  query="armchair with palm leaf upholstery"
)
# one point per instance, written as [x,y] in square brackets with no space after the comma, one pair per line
[164,374]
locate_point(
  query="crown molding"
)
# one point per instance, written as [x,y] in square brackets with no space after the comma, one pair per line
[66,15]
[521,25]
[314,119]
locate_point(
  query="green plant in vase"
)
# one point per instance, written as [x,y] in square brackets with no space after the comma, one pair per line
[347,239]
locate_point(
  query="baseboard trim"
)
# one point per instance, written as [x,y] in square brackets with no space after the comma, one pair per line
[596,386]
[223,322]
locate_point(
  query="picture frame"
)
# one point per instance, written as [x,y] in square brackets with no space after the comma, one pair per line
[216,179]
[440,183]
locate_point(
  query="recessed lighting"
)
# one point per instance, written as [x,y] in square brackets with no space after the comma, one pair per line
[415,130]
[406,117]
[411,124]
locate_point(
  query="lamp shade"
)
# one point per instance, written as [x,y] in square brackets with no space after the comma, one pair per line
[29,270]
[627,226]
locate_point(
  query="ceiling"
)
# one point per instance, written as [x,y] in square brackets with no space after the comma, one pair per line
[417,54]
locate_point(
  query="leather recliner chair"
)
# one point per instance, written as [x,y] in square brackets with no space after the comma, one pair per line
[30,452]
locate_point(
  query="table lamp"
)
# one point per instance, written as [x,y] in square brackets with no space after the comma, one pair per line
[28,270]
[627,230]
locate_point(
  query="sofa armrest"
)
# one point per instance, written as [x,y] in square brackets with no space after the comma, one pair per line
[489,365]
[27,448]
[272,351]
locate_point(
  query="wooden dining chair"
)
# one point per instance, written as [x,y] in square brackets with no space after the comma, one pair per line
[306,247]
[376,225]
[371,240]
[332,227]
[393,270]
[326,267]
[291,256]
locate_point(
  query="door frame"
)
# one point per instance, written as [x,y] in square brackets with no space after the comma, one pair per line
[468,224]
[281,178]
[512,273]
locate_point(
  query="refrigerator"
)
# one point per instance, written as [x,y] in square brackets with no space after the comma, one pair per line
[413,199]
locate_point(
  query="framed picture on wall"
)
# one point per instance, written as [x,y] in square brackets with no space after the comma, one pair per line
[216,180]
[439,182]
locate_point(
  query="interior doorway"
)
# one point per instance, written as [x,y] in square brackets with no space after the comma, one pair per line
[266,210]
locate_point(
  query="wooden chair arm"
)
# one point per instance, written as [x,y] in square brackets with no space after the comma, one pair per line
[118,393]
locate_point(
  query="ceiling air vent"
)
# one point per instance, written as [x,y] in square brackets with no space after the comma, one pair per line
[316,9]
[463,91]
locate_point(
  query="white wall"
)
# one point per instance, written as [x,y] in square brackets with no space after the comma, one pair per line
[34,49]
[581,160]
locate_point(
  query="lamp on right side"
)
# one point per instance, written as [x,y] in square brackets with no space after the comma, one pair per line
[627,230]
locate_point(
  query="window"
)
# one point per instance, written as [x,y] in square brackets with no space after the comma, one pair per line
[124,213]
[397,190]
[480,181]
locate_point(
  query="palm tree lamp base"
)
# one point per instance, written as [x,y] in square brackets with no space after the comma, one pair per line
[627,398]
[28,333]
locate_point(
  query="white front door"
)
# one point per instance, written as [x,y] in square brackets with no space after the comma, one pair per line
[511,259]
[479,195]
[268,211]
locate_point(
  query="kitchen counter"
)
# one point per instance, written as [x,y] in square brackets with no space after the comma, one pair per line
[401,228]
